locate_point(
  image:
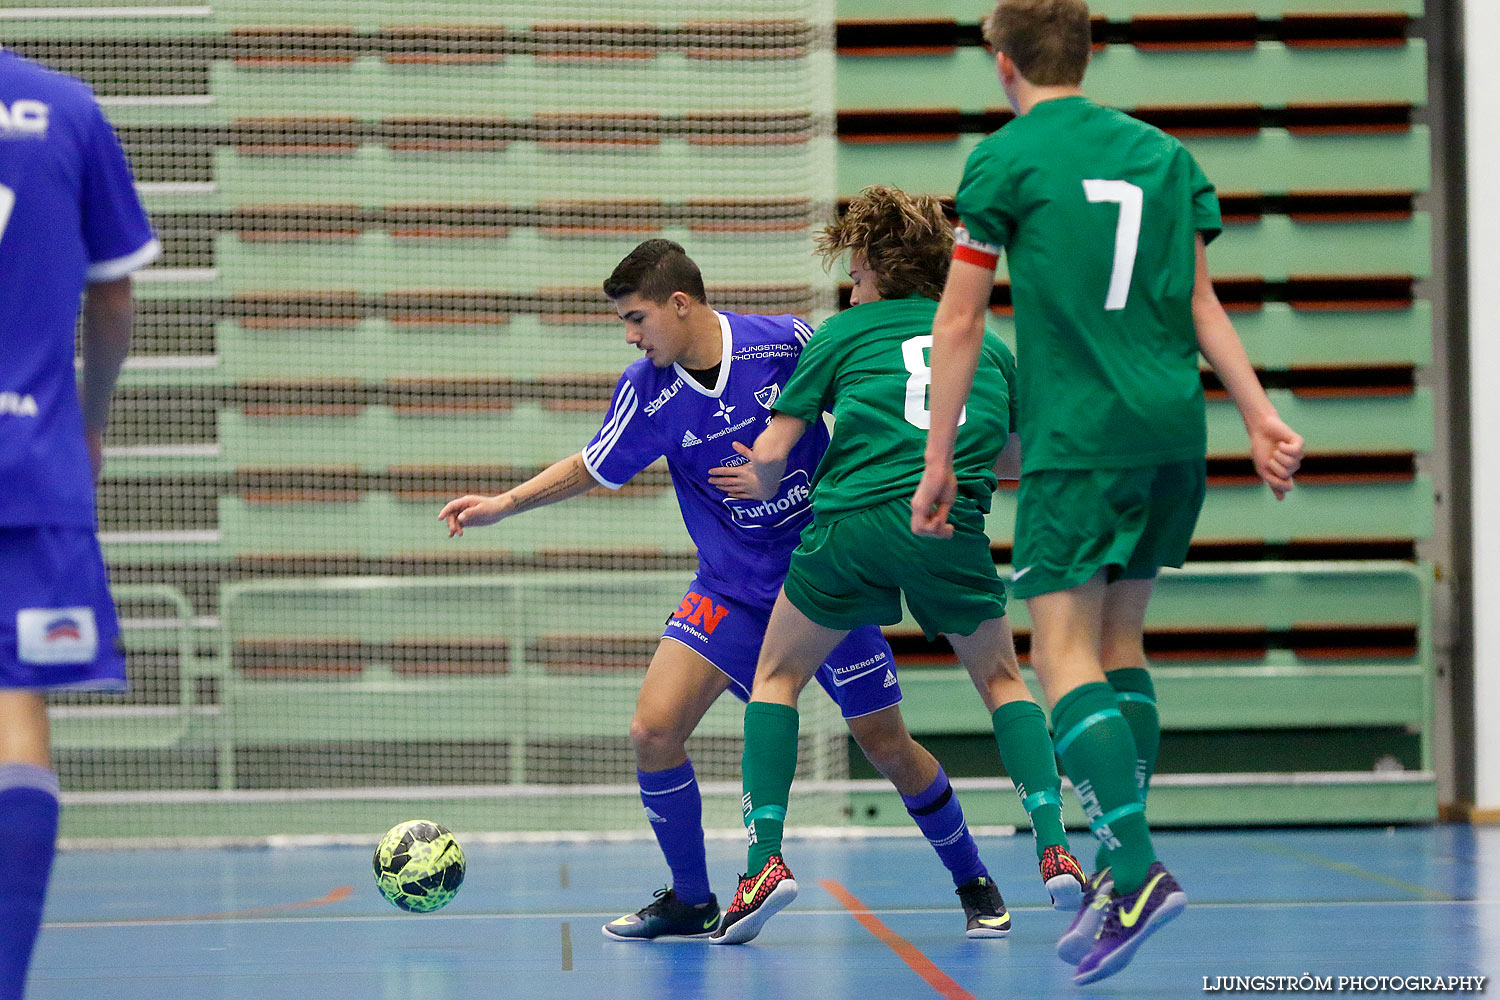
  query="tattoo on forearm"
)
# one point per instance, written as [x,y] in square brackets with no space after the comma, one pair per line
[526,499]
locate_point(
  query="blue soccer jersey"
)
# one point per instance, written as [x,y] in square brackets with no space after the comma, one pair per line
[744,546]
[69,215]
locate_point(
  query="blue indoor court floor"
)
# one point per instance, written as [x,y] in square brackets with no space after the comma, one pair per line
[876,918]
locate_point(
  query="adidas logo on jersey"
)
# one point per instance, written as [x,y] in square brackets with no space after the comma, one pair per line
[689,439]
[890,679]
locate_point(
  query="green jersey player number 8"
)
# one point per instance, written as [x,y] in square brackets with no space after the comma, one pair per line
[918,403]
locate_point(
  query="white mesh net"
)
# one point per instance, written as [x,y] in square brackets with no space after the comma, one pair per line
[385,228]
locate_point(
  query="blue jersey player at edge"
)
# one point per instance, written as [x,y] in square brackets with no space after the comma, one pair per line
[70,226]
[707,381]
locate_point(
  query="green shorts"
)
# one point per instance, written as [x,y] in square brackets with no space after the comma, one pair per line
[852,572]
[1072,523]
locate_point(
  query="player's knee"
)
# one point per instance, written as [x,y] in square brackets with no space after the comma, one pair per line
[655,741]
[780,680]
[888,751]
[775,665]
[994,670]
[23,729]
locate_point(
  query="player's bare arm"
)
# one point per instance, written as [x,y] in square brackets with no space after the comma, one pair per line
[1008,462]
[108,312]
[559,481]
[1275,448]
[957,334]
[760,478]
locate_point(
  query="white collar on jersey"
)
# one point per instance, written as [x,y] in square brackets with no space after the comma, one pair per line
[728,352]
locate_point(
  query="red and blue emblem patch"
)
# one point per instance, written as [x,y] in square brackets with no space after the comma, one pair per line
[56,635]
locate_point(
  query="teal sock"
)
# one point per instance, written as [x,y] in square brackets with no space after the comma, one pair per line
[1135,696]
[770,762]
[1026,750]
[1094,742]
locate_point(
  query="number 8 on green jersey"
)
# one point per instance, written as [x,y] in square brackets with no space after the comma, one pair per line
[869,365]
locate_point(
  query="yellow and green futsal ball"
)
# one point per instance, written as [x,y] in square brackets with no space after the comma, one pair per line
[419,866]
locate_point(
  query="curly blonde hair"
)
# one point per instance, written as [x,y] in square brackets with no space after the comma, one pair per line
[905,240]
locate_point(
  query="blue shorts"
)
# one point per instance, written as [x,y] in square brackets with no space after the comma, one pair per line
[859,675]
[57,621]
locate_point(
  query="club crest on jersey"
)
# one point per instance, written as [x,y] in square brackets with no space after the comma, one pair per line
[56,635]
[767,397]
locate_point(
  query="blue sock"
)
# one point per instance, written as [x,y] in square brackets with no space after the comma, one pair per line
[941,820]
[675,810]
[28,829]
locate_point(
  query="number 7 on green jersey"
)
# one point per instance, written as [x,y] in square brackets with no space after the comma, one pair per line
[1127,234]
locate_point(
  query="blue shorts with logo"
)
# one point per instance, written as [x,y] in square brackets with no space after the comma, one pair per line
[859,675]
[57,621]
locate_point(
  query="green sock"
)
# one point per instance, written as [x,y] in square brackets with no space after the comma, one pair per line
[1094,742]
[1026,750]
[769,763]
[1135,697]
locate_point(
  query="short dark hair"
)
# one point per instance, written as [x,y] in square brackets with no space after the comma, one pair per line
[905,239]
[654,270]
[1048,40]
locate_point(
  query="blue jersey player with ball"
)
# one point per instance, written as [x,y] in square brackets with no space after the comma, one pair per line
[703,390]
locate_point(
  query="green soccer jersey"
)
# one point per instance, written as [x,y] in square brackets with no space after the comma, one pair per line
[1096,213]
[870,366]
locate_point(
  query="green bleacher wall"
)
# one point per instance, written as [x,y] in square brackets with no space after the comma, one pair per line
[1304,115]
[385,225]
